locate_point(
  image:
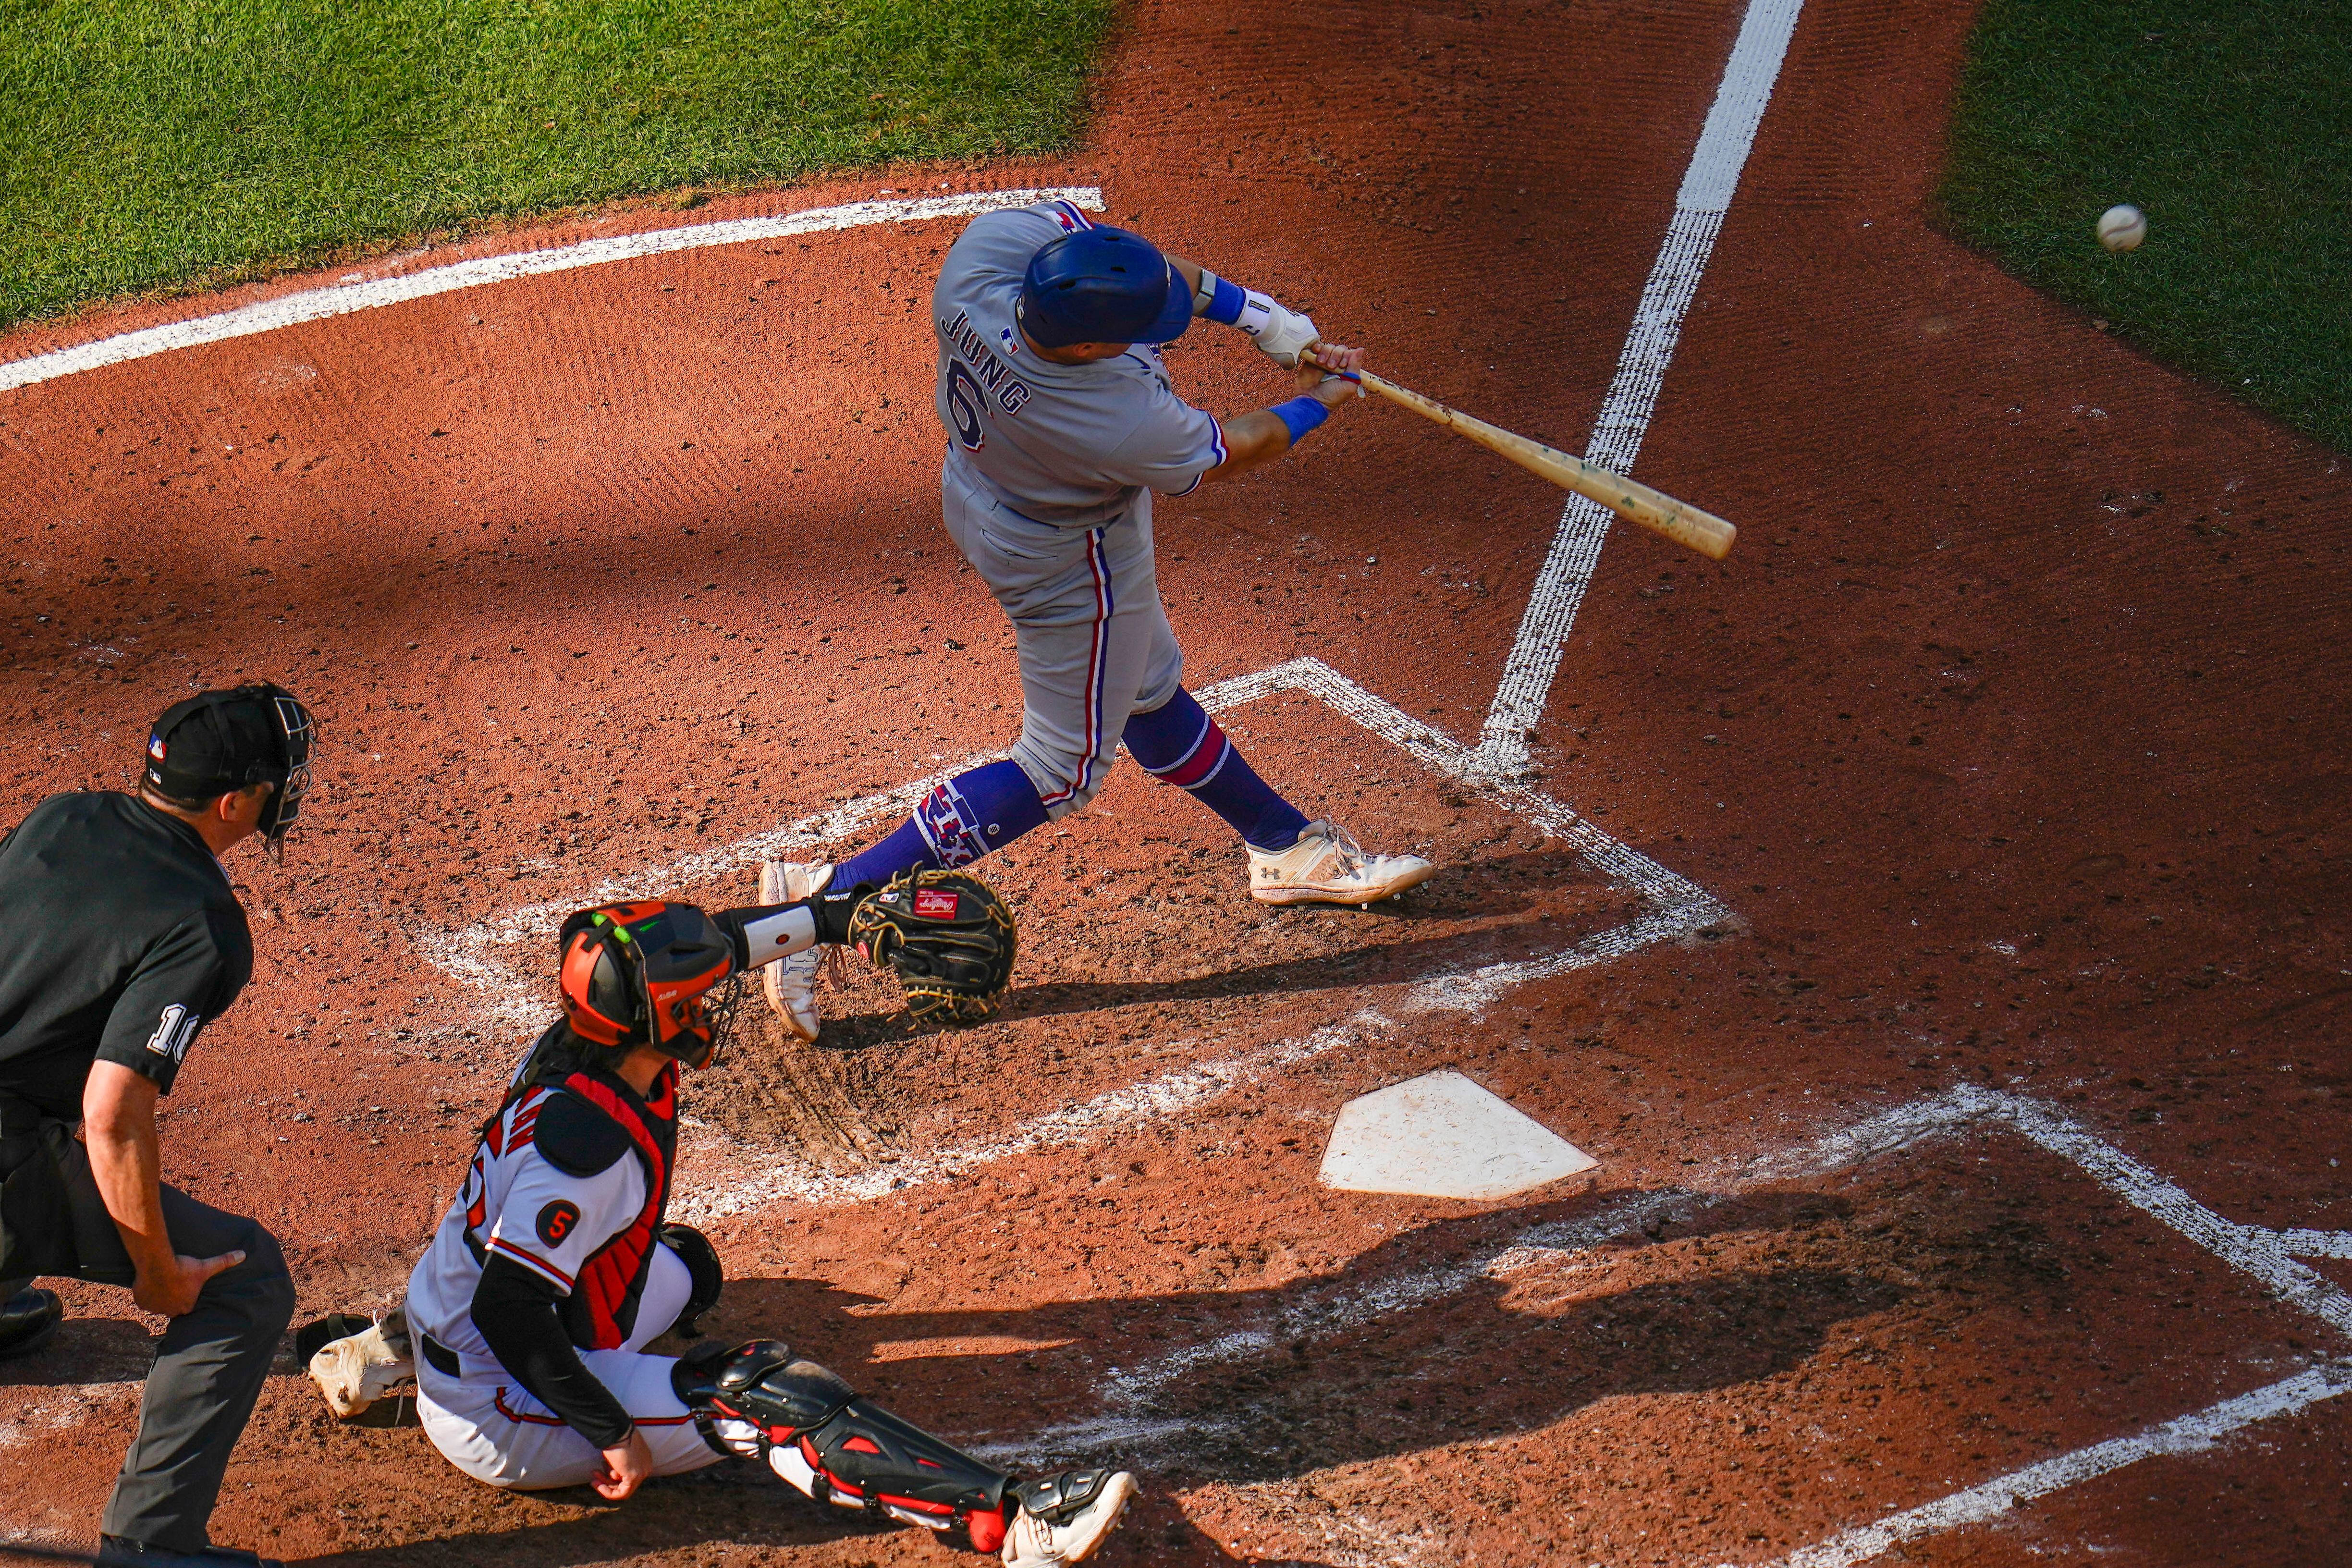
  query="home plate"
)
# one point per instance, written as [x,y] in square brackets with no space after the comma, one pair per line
[1441,1136]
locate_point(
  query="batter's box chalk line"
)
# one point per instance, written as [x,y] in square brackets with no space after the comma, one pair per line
[1136,1421]
[1674,909]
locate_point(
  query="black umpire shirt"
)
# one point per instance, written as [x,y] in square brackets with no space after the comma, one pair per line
[120,938]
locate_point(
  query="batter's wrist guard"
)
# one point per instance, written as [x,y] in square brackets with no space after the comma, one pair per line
[1218,298]
[810,1427]
[1278,332]
[1300,415]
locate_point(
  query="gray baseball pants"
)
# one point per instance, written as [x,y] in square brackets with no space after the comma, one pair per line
[208,1367]
[1093,638]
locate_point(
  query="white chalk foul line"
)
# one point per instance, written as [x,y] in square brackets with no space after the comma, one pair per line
[2313,1243]
[342,299]
[1699,207]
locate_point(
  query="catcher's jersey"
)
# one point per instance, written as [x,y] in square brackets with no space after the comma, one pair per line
[1071,445]
[518,1202]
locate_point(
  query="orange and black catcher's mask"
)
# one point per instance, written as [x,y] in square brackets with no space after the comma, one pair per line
[638,973]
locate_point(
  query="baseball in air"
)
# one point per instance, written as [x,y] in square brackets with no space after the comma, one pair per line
[2123,227]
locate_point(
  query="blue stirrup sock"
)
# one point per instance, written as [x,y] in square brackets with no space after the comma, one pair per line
[1178,743]
[978,810]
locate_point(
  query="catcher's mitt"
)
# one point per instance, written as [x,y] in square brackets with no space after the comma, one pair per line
[947,936]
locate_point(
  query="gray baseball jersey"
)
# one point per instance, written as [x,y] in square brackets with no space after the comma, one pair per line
[1068,445]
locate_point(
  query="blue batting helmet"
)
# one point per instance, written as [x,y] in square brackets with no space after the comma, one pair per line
[1103,285]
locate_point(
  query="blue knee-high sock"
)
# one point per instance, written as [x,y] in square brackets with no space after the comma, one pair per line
[974,812]
[1178,743]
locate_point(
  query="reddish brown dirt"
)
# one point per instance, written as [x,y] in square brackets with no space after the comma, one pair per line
[2018,700]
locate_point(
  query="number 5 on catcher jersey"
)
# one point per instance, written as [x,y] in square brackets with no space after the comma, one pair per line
[520,1202]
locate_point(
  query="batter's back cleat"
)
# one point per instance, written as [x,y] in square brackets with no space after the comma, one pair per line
[791,981]
[361,1364]
[1062,1519]
[1328,867]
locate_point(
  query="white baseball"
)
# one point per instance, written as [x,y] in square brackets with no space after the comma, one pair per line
[2121,228]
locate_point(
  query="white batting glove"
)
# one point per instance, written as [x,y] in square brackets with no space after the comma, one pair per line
[1277,331]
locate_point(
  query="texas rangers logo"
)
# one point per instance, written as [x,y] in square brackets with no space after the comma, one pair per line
[947,825]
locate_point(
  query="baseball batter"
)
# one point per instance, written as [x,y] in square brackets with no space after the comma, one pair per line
[553,1267]
[1061,423]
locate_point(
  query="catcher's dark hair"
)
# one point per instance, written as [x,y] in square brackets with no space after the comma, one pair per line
[564,1052]
[558,1053]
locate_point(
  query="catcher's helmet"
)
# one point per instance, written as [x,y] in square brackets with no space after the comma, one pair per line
[216,741]
[637,973]
[1103,285]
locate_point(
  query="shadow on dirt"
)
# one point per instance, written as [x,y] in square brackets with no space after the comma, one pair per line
[1458,1330]
[87,1351]
[743,1506]
[1390,963]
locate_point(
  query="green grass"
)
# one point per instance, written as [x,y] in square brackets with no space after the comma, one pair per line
[149,146]
[2230,124]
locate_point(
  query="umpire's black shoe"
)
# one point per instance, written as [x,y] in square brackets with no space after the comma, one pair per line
[29,1319]
[116,1551]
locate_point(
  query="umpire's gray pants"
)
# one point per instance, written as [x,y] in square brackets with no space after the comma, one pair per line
[208,1367]
[1093,637]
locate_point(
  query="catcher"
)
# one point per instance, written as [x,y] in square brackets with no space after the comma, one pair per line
[528,1313]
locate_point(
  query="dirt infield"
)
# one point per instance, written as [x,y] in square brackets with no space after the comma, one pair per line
[2002,757]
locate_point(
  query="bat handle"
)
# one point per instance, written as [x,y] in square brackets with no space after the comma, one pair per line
[1306,356]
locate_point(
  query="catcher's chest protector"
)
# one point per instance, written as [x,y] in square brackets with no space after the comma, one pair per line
[601,1310]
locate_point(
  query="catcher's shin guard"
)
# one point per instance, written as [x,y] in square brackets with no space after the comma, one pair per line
[812,1429]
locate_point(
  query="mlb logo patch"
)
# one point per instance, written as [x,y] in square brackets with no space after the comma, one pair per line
[155,747]
[935,904]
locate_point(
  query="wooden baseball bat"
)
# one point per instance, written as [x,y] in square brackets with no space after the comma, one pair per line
[1629,498]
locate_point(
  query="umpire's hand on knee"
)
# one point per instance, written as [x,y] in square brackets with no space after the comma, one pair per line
[173,1289]
[625,1467]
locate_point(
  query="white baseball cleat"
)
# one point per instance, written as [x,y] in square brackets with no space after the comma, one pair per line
[1327,866]
[791,981]
[1063,1518]
[357,1370]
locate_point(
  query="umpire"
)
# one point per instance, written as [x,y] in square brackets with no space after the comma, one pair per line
[125,939]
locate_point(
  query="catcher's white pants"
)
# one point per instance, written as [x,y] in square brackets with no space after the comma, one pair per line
[485,1424]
